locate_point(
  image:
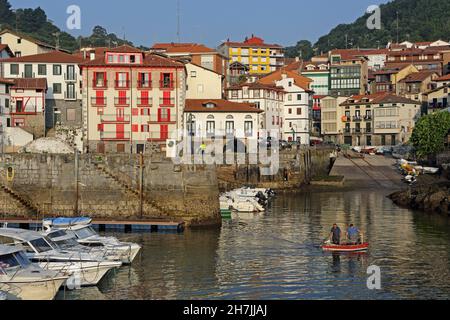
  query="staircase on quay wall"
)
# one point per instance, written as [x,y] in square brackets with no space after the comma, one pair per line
[25,203]
[128,188]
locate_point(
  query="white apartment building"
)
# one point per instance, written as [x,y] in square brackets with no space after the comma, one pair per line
[297,104]
[62,71]
[267,97]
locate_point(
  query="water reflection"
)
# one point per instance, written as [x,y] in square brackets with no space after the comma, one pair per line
[277,255]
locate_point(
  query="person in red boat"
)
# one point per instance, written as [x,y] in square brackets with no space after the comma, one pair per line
[335,235]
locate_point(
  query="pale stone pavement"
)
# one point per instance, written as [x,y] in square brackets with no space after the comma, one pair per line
[370,172]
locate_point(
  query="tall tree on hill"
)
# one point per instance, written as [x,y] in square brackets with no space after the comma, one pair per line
[6,15]
[302,49]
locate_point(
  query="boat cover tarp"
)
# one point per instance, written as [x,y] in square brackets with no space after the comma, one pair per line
[62,222]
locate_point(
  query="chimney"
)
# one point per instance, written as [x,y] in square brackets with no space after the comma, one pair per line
[92,55]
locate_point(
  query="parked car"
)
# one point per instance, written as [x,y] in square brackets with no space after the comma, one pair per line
[285,145]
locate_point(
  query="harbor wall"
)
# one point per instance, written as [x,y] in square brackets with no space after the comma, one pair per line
[33,186]
[297,168]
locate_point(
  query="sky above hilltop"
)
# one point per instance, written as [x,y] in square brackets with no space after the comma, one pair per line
[145,22]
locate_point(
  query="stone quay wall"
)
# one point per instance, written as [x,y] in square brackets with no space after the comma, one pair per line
[34,186]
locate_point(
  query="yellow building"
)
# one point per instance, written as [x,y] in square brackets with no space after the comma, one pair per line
[261,58]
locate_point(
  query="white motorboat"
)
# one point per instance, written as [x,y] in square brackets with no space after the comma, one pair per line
[20,279]
[85,269]
[430,170]
[67,241]
[82,230]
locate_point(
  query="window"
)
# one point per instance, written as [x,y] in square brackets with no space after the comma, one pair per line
[290,111]
[229,127]
[299,111]
[145,112]
[145,128]
[299,97]
[100,79]
[144,80]
[57,70]
[42,69]
[248,128]
[289,97]
[18,54]
[193,74]
[71,94]
[57,88]
[19,41]
[122,80]
[70,72]
[166,80]
[210,128]
[14,69]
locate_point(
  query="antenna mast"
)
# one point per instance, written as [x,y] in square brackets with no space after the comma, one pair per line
[178,21]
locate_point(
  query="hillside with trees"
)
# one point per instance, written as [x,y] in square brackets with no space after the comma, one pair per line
[418,20]
[35,23]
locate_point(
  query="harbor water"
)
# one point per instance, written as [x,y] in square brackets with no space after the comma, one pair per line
[277,255]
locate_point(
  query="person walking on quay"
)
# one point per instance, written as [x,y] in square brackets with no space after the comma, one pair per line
[335,235]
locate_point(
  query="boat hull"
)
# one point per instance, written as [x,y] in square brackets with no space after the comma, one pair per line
[33,290]
[346,248]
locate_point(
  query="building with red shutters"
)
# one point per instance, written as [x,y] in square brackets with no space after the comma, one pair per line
[131,100]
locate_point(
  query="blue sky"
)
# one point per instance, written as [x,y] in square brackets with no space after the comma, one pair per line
[207,21]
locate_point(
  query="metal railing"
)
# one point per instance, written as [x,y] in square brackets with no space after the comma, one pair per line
[70,77]
[145,102]
[121,101]
[113,118]
[167,101]
[115,136]
[96,101]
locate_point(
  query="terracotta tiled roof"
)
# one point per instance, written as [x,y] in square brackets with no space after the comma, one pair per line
[200,66]
[50,57]
[220,105]
[183,48]
[253,42]
[444,78]
[418,76]
[7,81]
[124,49]
[30,83]
[299,80]
[377,99]
[6,47]
[257,85]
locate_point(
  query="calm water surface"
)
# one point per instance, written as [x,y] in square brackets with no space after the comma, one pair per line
[276,255]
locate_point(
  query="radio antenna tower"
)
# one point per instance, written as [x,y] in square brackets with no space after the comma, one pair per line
[178,21]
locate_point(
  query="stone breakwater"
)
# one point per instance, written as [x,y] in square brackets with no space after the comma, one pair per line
[434,198]
[107,187]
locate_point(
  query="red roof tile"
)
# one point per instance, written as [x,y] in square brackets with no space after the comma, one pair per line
[50,57]
[299,80]
[199,105]
[444,78]
[30,83]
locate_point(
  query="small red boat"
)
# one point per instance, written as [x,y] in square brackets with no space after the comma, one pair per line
[346,247]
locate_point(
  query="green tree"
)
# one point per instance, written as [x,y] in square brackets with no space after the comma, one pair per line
[302,49]
[429,134]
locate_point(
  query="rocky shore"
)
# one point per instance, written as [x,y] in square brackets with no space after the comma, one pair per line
[433,198]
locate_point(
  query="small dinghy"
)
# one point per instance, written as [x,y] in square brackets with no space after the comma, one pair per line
[328,246]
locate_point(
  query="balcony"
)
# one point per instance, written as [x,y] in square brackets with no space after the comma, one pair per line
[70,96]
[367,118]
[122,102]
[167,102]
[165,84]
[99,84]
[144,84]
[125,119]
[98,102]
[144,102]
[115,136]
[70,77]
[157,136]
[361,130]
[162,121]
[122,84]
[357,118]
